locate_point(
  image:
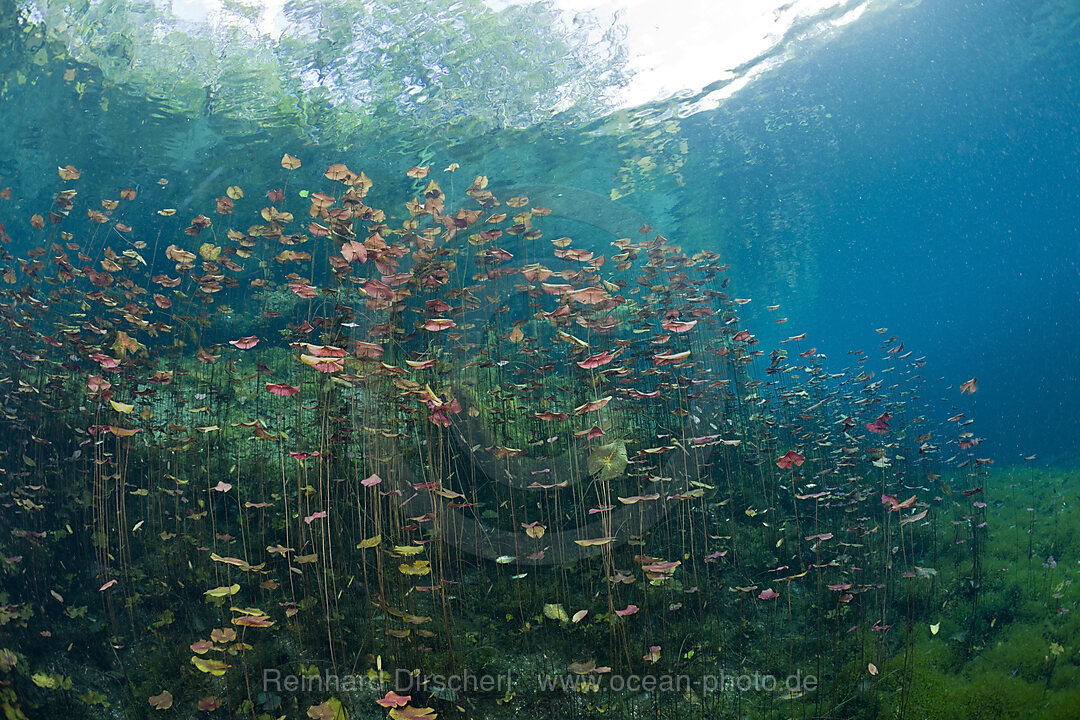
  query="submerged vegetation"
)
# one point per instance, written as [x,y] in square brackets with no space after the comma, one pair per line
[299,435]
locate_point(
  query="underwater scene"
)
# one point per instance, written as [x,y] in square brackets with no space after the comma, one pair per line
[565,359]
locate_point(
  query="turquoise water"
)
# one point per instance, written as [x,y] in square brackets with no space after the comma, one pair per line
[882,196]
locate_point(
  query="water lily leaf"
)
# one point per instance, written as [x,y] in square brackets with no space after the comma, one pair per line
[555,611]
[253,621]
[162,701]
[216,668]
[209,703]
[369,542]
[608,461]
[410,713]
[417,567]
[48,681]
[223,591]
[593,542]
[392,699]
[322,711]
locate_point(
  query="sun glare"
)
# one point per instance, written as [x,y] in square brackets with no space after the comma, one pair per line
[675,48]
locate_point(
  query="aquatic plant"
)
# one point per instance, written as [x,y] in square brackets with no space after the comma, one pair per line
[451,438]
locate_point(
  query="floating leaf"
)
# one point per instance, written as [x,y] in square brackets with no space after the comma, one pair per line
[322,711]
[594,541]
[555,611]
[608,461]
[201,647]
[48,681]
[338,171]
[242,564]
[369,543]
[354,251]
[392,699]
[223,591]
[223,635]
[161,702]
[914,518]
[121,407]
[410,713]
[534,530]
[439,324]
[790,459]
[417,567]
[216,668]
[323,364]
[592,406]
[245,343]
[209,703]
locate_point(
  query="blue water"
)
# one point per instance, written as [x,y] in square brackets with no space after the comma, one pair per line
[942,200]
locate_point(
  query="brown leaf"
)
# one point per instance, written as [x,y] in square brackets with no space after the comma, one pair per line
[162,701]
